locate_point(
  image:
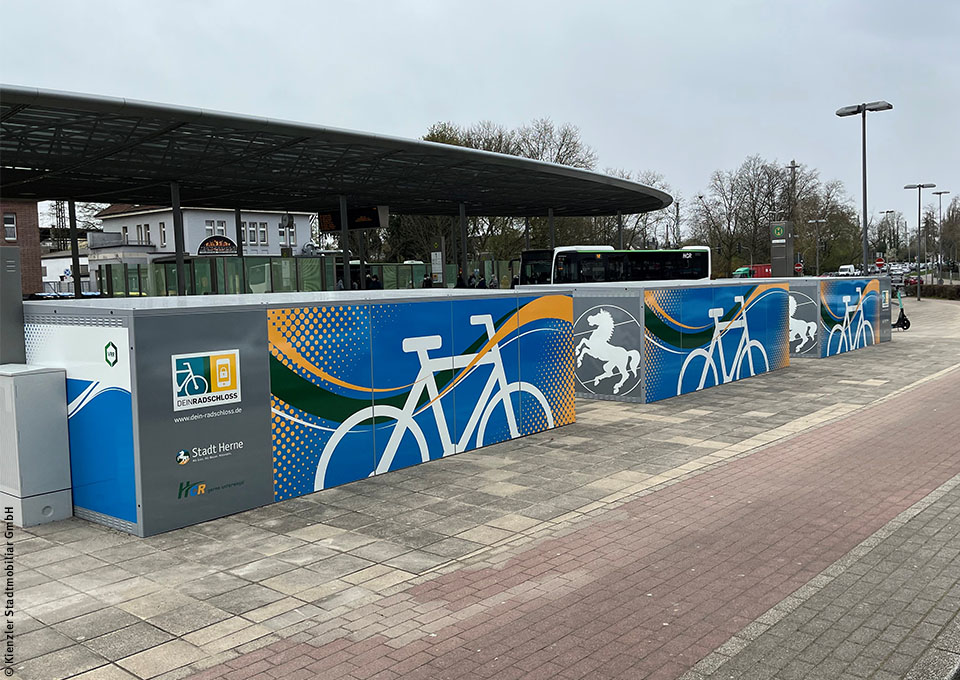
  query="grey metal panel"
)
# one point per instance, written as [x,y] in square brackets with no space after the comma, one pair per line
[228,443]
[34,458]
[608,336]
[804,318]
[11,307]
[886,301]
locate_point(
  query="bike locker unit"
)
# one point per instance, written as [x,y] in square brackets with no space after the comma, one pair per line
[675,337]
[182,410]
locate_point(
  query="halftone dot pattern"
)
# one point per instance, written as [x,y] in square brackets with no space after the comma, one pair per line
[296,450]
[554,377]
[777,340]
[326,336]
[36,335]
[654,357]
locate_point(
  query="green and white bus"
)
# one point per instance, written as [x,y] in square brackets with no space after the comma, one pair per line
[603,264]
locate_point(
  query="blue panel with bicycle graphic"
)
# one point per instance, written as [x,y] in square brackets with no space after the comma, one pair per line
[486,408]
[700,337]
[364,389]
[545,344]
[412,366]
[320,378]
[849,315]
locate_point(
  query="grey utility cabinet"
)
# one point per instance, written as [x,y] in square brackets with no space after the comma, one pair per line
[34,451]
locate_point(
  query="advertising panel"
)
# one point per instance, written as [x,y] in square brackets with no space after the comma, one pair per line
[203,416]
[699,337]
[359,390]
[99,411]
[849,315]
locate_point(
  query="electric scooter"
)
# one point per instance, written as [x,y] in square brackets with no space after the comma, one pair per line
[902,320]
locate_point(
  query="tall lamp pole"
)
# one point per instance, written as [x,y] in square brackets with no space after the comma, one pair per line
[818,223]
[939,194]
[862,110]
[919,188]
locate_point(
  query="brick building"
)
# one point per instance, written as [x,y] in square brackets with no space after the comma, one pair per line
[21,227]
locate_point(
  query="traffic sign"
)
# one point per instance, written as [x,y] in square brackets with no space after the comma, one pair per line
[798,267]
[880,262]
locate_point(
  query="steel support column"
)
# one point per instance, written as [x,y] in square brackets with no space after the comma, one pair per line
[526,233]
[620,230]
[345,242]
[178,236]
[553,240]
[75,250]
[463,240]
[238,223]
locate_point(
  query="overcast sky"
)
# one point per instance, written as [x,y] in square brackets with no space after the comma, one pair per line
[682,88]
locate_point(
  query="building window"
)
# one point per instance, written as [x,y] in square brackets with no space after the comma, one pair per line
[243,232]
[146,233]
[292,235]
[163,235]
[123,229]
[140,233]
[9,226]
[263,233]
[43,271]
[84,270]
[221,227]
[253,234]
[209,227]
[283,235]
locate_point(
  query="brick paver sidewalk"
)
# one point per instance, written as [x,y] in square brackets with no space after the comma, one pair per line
[649,588]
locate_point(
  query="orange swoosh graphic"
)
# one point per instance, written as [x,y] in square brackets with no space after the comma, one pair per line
[873,286]
[550,306]
[547,307]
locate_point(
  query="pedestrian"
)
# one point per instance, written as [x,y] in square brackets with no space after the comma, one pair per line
[376,283]
[427,281]
[460,282]
[339,284]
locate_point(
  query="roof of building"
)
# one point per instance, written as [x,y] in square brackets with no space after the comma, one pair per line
[60,145]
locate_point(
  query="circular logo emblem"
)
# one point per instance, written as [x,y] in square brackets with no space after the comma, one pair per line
[778,231]
[183,456]
[607,350]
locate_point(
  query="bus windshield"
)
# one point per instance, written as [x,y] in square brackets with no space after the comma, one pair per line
[535,266]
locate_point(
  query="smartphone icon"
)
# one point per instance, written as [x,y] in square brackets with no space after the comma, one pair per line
[223,373]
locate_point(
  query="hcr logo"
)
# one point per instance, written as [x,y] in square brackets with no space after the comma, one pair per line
[188,490]
[110,354]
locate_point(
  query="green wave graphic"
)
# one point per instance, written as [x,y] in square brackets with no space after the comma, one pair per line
[681,340]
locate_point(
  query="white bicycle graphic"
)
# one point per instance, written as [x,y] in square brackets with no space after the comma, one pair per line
[192,383]
[496,391]
[843,331]
[743,351]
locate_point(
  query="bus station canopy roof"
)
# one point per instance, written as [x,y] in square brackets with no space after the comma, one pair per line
[59,145]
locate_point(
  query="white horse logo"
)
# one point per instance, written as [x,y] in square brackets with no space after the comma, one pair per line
[597,345]
[805,331]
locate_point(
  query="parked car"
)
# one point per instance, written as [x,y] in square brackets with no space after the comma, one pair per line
[911,280]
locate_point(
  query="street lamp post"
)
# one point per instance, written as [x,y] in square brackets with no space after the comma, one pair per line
[919,188]
[862,110]
[939,195]
[817,228]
